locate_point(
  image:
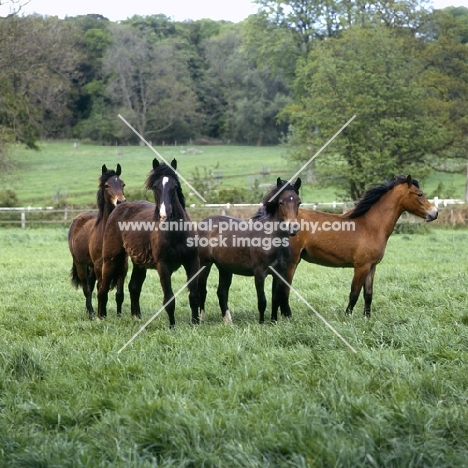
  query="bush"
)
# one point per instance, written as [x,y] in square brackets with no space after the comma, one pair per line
[8,198]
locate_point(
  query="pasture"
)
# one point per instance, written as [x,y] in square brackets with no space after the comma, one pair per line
[59,173]
[246,395]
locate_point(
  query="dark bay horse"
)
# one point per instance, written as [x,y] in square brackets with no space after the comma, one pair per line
[86,233]
[140,231]
[249,248]
[357,238]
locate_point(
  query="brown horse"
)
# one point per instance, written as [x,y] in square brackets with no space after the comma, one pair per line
[357,239]
[85,237]
[251,248]
[140,230]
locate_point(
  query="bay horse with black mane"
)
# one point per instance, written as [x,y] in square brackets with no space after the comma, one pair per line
[359,236]
[85,238]
[139,230]
[251,248]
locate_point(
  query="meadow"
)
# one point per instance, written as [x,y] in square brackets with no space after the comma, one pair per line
[60,174]
[246,395]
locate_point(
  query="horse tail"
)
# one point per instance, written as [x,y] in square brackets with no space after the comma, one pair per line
[74,278]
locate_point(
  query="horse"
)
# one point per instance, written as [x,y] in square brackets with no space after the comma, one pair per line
[85,237]
[357,238]
[140,230]
[250,249]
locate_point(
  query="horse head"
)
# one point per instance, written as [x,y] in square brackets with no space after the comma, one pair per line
[283,202]
[415,202]
[111,188]
[168,196]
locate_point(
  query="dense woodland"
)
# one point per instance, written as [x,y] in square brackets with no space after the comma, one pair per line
[294,73]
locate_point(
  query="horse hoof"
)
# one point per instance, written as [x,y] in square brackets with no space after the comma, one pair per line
[137,318]
[202,315]
[227,317]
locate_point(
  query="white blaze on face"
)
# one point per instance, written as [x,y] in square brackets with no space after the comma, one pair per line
[162,209]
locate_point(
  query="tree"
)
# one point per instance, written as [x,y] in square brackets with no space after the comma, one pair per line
[149,83]
[445,54]
[312,20]
[374,74]
[37,69]
[243,97]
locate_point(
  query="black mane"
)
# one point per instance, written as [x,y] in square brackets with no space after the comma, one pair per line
[374,194]
[101,202]
[268,208]
[164,170]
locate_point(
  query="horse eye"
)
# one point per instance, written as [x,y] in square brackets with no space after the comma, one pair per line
[420,195]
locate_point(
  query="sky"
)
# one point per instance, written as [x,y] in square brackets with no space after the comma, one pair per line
[178,10]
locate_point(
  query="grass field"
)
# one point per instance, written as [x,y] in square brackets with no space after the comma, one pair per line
[289,395]
[61,173]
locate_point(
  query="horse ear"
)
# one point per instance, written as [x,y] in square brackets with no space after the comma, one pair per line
[155,163]
[104,169]
[278,182]
[119,170]
[297,184]
[409,181]
[174,164]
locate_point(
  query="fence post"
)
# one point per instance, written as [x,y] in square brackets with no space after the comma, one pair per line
[65,214]
[23,220]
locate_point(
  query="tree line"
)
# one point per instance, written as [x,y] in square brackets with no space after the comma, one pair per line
[293,73]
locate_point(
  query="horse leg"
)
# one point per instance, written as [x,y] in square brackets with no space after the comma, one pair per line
[368,290]
[202,280]
[90,283]
[279,299]
[119,293]
[225,280]
[165,275]
[285,289]
[106,273]
[134,287]
[275,301]
[81,277]
[191,269]
[359,277]
[261,299]
[103,289]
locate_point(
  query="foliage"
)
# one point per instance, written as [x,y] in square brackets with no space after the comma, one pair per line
[181,81]
[8,198]
[149,84]
[312,20]
[446,77]
[374,74]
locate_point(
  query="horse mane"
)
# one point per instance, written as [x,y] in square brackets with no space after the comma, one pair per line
[374,194]
[101,202]
[268,207]
[164,170]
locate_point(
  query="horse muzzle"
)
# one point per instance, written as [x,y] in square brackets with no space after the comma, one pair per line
[293,228]
[432,215]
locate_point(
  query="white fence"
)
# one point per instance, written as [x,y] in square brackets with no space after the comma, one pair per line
[50,215]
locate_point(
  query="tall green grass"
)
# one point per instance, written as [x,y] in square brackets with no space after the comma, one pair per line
[289,395]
